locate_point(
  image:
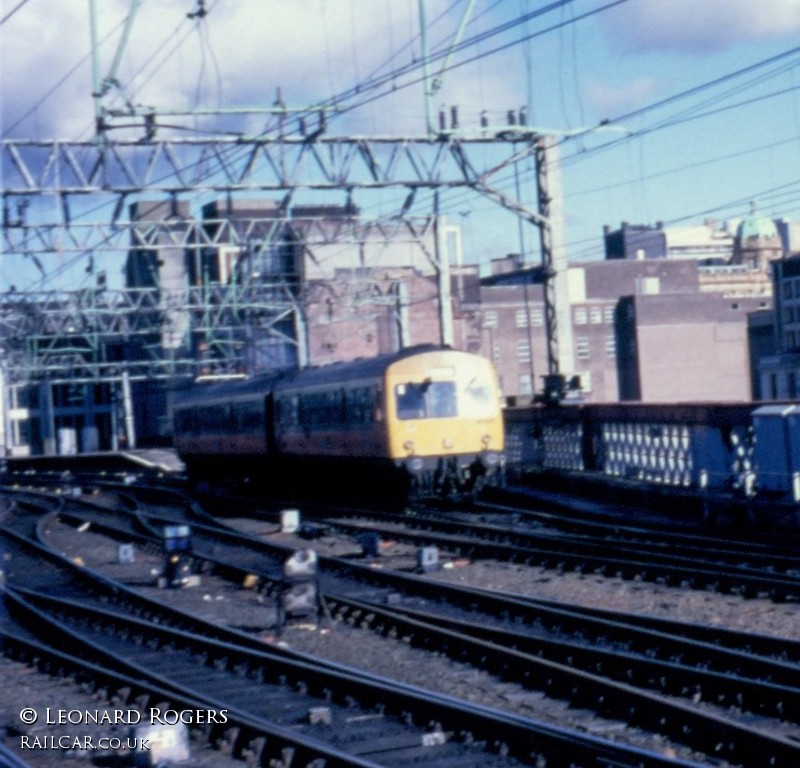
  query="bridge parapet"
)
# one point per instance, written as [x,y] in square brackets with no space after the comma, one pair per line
[691,446]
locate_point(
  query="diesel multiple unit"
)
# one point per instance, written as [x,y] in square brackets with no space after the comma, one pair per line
[426,420]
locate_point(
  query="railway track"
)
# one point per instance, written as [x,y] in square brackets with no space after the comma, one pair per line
[758,566]
[754,548]
[751,568]
[778,580]
[240,735]
[238,676]
[613,680]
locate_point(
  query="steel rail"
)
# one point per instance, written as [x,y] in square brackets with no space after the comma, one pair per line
[599,557]
[630,703]
[462,726]
[264,740]
[565,742]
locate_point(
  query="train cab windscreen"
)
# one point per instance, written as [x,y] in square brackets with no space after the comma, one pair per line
[478,400]
[426,400]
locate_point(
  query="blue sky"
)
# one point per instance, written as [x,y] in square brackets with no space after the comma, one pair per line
[703,154]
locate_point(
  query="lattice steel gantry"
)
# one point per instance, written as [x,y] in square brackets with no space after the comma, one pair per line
[115,173]
[65,337]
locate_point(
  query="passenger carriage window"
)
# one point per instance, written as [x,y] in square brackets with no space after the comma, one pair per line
[287,411]
[358,406]
[217,418]
[251,417]
[194,421]
[426,400]
[322,409]
[185,421]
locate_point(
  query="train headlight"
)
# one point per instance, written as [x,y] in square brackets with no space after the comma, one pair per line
[415,465]
[408,446]
[490,460]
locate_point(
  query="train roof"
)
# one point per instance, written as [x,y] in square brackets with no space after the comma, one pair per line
[220,390]
[353,369]
[286,379]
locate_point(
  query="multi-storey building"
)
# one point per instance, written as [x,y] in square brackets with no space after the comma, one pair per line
[779,372]
[684,347]
[249,286]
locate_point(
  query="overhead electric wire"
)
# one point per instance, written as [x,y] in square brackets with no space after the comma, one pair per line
[688,115]
[709,84]
[668,122]
[164,54]
[681,168]
[12,12]
[416,65]
[364,86]
[438,55]
[7,129]
[357,91]
[719,110]
[687,93]
[378,80]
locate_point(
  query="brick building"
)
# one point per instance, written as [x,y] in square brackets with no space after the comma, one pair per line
[684,347]
[779,367]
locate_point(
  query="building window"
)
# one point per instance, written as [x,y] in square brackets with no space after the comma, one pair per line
[611,346]
[580,316]
[773,386]
[525,384]
[648,286]
[496,352]
[791,384]
[490,319]
[582,348]
[523,352]
[521,318]
[537,317]
[608,314]
[596,315]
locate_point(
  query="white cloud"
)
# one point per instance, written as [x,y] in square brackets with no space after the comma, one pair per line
[310,49]
[36,52]
[705,26]
[610,100]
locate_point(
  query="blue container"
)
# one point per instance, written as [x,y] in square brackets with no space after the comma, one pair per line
[777,446]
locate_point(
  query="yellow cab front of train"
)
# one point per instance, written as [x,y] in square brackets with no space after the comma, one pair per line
[444,418]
